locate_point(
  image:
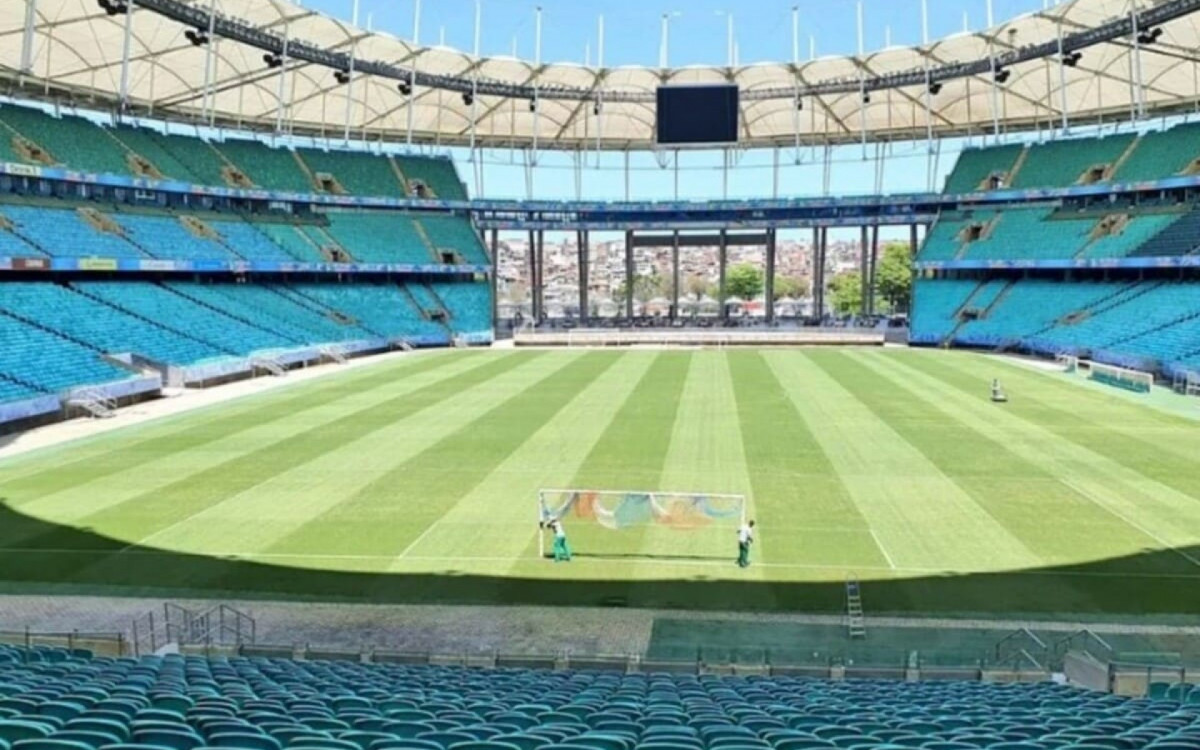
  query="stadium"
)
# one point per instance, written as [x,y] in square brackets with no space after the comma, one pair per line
[362,393]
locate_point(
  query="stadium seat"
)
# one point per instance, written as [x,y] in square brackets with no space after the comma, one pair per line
[15,730]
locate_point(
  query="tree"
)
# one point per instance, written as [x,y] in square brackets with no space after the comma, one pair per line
[518,292]
[645,288]
[845,293]
[791,287]
[893,278]
[696,286]
[744,281]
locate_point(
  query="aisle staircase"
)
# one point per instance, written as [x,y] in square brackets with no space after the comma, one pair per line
[93,402]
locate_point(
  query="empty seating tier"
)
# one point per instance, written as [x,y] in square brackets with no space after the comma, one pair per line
[379,237]
[983,168]
[69,701]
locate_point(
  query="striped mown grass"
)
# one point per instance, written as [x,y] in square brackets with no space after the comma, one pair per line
[415,480]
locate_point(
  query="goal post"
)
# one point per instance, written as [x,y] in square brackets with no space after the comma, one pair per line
[633,524]
[1069,362]
[1121,377]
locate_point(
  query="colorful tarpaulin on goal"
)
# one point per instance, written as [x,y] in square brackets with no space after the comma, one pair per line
[620,510]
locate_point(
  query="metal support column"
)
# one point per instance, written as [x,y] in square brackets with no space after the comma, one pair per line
[769,285]
[495,279]
[722,259]
[819,279]
[874,276]
[912,239]
[675,277]
[864,268]
[582,241]
[541,276]
[629,274]
[533,274]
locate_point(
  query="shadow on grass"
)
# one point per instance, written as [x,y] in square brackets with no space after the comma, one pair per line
[38,557]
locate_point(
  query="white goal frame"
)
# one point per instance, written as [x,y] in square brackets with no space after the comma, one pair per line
[1069,362]
[542,514]
[1121,373]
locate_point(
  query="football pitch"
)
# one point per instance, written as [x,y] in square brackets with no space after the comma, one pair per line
[416,480]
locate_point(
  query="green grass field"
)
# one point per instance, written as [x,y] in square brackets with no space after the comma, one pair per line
[416,481]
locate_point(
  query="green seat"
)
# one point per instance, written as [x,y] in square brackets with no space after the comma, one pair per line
[91,739]
[15,730]
[447,739]
[43,743]
[176,739]
[484,745]
[406,729]
[803,743]
[405,744]
[244,740]
[319,743]
[364,739]
[120,730]
[522,741]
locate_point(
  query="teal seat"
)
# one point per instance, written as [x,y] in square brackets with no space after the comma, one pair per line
[63,710]
[523,741]
[94,740]
[120,730]
[245,741]
[175,739]
[365,739]
[323,744]
[447,739]
[43,743]
[800,743]
[15,730]
[404,744]
[484,745]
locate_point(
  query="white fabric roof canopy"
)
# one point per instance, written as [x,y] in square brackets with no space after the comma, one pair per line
[77,49]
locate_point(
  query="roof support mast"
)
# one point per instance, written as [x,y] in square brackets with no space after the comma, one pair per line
[475,78]
[350,78]
[126,44]
[27,36]
[283,66]
[412,74]
[928,94]
[208,58]
[796,77]
[863,99]
[599,91]
[1062,77]
[991,23]
[1139,93]
[537,77]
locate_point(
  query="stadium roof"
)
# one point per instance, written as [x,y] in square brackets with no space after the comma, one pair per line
[76,51]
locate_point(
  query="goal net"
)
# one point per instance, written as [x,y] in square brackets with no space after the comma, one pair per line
[1121,377]
[632,524]
[1068,362]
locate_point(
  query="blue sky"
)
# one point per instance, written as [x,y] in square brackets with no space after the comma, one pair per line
[698,31]
[698,36]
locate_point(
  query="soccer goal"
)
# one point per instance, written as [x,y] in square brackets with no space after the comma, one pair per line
[1121,377]
[1069,362]
[631,524]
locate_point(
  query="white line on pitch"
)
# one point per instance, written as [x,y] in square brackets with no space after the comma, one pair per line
[1131,522]
[879,544]
[417,541]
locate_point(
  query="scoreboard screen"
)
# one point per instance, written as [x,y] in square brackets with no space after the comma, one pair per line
[695,115]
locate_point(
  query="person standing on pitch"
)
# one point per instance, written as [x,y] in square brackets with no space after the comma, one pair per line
[562,552]
[745,539]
